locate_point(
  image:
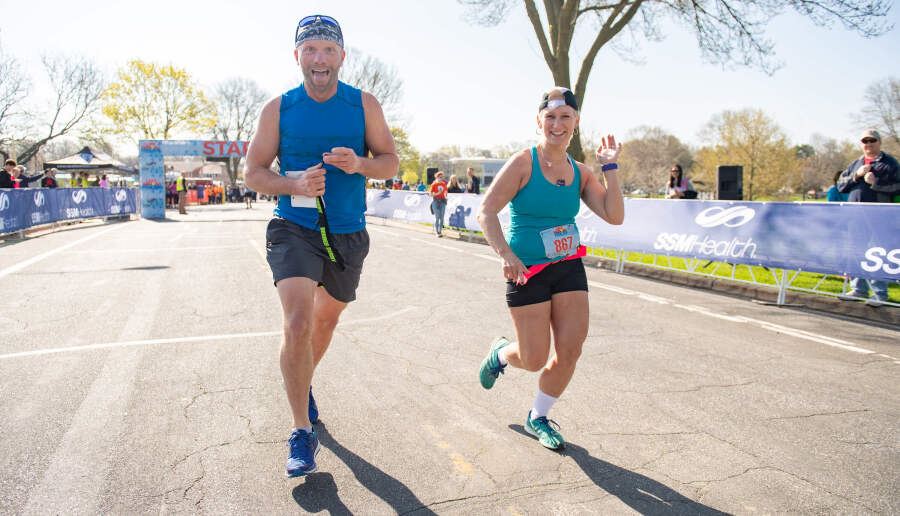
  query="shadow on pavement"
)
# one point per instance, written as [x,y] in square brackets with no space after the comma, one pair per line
[642,494]
[319,491]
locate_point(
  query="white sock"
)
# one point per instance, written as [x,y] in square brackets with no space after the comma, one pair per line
[542,405]
[501,355]
[307,429]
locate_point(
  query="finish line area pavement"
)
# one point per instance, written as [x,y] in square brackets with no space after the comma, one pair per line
[139,374]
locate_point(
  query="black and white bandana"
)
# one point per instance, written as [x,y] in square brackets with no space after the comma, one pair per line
[321,27]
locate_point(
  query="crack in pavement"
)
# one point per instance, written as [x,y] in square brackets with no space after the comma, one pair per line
[774,468]
[818,414]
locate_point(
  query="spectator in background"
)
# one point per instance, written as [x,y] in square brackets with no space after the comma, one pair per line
[7,174]
[248,198]
[397,184]
[104,182]
[873,177]
[474,184]
[438,192]
[26,181]
[405,186]
[833,194]
[420,186]
[49,180]
[453,185]
[678,186]
[181,189]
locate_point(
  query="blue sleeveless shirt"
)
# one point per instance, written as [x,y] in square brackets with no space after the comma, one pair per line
[307,130]
[540,205]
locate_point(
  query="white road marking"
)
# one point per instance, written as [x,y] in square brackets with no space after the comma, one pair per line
[34,259]
[435,244]
[821,339]
[369,227]
[258,248]
[179,340]
[82,455]
[488,257]
[155,249]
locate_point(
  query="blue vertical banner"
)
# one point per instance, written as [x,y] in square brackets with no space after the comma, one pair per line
[153,179]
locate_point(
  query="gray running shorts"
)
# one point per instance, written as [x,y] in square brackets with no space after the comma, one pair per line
[295,251]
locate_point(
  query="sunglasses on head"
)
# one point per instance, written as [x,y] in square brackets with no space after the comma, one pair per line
[869,140]
[311,19]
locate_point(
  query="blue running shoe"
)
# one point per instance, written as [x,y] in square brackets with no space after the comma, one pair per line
[304,447]
[490,367]
[313,408]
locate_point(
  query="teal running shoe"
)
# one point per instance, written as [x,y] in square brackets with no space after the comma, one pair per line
[490,366]
[545,433]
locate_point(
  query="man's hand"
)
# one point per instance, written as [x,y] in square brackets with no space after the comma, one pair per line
[870,178]
[343,158]
[861,171]
[311,183]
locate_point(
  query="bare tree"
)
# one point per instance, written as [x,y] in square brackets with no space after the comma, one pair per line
[76,86]
[238,102]
[370,74]
[727,31]
[881,108]
[820,159]
[14,87]
[648,155]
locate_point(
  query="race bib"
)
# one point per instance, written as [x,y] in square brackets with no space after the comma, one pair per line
[560,241]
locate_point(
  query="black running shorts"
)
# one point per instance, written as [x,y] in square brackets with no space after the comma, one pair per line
[566,276]
[295,251]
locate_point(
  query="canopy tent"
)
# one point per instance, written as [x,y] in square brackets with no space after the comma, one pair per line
[87,160]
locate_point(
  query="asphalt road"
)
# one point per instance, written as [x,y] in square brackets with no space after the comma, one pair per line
[139,374]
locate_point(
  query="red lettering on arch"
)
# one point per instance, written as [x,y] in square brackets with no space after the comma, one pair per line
[234,148]
[208,149]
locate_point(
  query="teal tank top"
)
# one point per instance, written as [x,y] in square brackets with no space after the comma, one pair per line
[538,206]
[307,130]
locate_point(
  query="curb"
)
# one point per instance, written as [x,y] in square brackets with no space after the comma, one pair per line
[887,315]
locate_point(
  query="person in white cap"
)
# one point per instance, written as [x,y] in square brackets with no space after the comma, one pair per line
[873,177]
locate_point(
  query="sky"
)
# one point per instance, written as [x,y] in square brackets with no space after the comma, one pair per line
[466,84]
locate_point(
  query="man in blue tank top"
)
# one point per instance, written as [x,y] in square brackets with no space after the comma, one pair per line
[322,133]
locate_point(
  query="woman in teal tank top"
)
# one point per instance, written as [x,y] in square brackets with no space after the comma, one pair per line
[546,284]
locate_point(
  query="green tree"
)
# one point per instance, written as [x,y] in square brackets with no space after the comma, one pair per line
[726,31]
[751,139]
[157,102]
[409,156]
